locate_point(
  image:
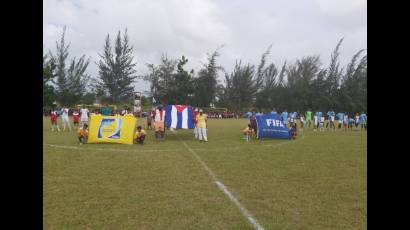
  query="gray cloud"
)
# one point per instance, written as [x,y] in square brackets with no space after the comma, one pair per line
[195,27]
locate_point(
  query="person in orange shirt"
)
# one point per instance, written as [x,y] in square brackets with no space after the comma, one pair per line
[83,134]
[248,132]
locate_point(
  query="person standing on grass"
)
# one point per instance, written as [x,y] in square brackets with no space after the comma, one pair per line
[76,119]
[253,122]
[345,121]
[315,122]
[83,134]
[195,121]
[351,123]
[285,118]
[331,119]
[302,122]
[139,136]
[363,121]
[322,124]
[319,116]
[53,118]
[149,120]
[291,119]
[293,132]
[64,117]
[357,120]
[202,124]
[84,115]
[159,120]
[308,118]
[340,119]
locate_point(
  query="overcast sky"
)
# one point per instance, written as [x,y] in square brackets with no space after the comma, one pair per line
[196,27]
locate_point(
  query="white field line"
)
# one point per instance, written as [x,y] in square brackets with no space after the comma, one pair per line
[167,150]
[225,190]
[110,149]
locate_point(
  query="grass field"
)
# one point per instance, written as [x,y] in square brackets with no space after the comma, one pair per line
[318,181]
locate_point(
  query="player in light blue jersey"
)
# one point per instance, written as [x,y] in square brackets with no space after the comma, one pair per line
[331,119]
[363,120]
[339,117]
[284,116]
[318,115]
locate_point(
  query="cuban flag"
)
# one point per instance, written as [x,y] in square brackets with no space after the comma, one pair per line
[179,117]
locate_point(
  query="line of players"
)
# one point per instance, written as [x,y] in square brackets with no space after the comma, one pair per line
[321,121]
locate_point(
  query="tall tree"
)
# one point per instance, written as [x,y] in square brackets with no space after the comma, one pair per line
[72,81]
[242,86]
[206,83]
[334,74]
[48,77]
[116,70]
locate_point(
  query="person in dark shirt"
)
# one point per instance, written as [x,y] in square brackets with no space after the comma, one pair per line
[293,132]
[253,124]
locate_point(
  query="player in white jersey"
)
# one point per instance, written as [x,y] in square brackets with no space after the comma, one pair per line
[322,124]
[159,123]
[84,116]
[64,117]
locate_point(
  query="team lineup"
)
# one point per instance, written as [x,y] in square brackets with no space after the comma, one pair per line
[157,119]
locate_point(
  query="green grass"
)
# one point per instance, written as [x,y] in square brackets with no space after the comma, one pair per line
[318,181]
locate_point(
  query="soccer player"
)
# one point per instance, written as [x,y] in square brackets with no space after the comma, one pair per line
[285,118]
[83,134]
[363,121]
[139,136]
[319,115]
[194,119]
[357,120]
[64,117]
[248,132]
[149,120]
[202,123]
[308,118]
[322,124]
[340,119]
[331,119]
[76,118]
[159,120]
[84,115]
[315,122]
[345,121]
[291,119]
[351,123]
[293,132]
[253,123]
[53,118]
[302,122]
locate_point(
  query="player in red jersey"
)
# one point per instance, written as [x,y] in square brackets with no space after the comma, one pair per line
[76,118]
[194,115]
[53,118]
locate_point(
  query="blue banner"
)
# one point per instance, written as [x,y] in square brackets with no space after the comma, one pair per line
[271,126]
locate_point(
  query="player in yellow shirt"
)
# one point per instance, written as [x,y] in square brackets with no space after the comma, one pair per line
[139,136]
[83,134]
[202,123]
[248,132]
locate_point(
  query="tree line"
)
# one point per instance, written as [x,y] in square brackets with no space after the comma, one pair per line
[299,85]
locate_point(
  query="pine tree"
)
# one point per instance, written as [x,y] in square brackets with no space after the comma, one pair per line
[116,71]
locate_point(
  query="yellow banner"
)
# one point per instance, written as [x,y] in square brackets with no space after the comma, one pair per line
[112,129]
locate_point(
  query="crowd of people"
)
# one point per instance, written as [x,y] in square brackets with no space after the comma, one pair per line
[319,121]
